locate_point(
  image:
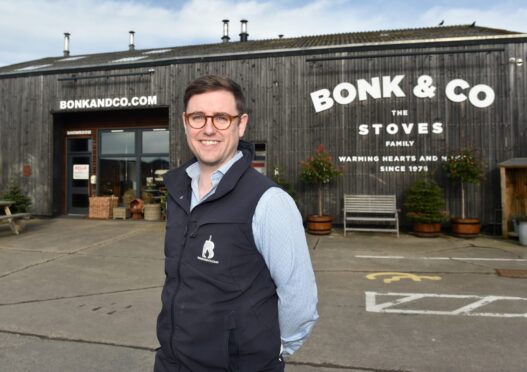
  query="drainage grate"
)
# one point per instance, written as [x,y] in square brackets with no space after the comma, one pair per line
[512,273]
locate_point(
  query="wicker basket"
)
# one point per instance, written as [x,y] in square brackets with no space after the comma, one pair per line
[152,212]
[101,207]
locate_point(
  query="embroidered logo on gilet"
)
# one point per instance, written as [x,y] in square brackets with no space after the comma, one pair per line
[208,252]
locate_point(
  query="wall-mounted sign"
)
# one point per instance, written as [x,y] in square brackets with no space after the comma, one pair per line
[413,162]
[456,90]
[91,103]
[78,132]
[402,130]
[81,171]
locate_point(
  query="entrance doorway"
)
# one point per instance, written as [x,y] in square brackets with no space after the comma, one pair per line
[110,152]
[78,160]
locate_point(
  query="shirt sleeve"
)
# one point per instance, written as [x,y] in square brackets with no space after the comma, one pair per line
[280,238]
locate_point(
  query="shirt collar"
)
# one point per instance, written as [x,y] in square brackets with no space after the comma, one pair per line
[193,169]
[217,175]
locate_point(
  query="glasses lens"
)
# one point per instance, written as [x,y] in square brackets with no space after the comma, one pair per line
[197,119]
[221,121]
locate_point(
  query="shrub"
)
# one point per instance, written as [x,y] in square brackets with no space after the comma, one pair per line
[424,202]
[15,194]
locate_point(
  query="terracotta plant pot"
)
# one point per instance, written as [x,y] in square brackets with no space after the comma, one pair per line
[136,208]
[319,225]
[427,230]
[466,227]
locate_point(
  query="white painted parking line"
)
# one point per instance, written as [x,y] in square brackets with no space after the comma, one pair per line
[475,303]
[442,258]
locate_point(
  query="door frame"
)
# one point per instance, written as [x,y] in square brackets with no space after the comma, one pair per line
[70,209]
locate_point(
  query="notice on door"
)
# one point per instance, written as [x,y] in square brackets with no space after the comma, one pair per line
[81,171]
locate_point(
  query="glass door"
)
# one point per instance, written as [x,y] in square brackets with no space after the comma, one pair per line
[131,163]
[117,169]
[79,160]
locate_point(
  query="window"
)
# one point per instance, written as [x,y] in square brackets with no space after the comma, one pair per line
[260,158]
[118,142]
[133,161]
[155,141]
[117,175]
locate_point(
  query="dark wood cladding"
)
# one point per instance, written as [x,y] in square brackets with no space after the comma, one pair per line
[282,116]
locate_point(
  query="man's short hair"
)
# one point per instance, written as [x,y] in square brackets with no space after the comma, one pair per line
[211,83]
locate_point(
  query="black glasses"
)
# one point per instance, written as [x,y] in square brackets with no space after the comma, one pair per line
[221,121]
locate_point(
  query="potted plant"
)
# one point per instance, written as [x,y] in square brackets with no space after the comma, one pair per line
[318,170]
[463,168]
[128,196]
[425,206]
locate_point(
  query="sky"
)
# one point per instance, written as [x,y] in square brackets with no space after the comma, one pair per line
[33,29]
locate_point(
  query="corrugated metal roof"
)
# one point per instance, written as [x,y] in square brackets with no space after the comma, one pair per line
[162,55]
[514,163]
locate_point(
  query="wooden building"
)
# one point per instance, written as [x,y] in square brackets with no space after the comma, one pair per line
[388,106]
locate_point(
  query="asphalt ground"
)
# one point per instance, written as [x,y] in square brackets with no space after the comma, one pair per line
[83,295]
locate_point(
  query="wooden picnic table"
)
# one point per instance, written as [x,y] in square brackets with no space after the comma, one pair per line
[14,220]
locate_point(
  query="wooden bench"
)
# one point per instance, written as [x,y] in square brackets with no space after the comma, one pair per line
[371,209]
[14,221]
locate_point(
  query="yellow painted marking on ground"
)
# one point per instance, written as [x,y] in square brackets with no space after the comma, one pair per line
[395,277]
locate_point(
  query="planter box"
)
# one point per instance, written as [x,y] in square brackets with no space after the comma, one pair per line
[121,212]
[466,227]
[101,207]
[427,230]
[319,225]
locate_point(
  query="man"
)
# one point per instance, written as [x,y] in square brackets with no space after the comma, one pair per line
[240,290]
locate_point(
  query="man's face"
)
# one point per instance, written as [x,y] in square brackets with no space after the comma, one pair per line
[211,146]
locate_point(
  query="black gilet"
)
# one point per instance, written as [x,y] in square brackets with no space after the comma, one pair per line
[219,303]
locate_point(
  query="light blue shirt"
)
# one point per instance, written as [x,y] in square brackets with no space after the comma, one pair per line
[281,240]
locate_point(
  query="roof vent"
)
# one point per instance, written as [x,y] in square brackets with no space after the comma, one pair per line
[131,44]
[244,35]
[66,44]
[225,36]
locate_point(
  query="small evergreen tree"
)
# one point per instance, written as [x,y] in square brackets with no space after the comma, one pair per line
[424,202]
[15,194]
